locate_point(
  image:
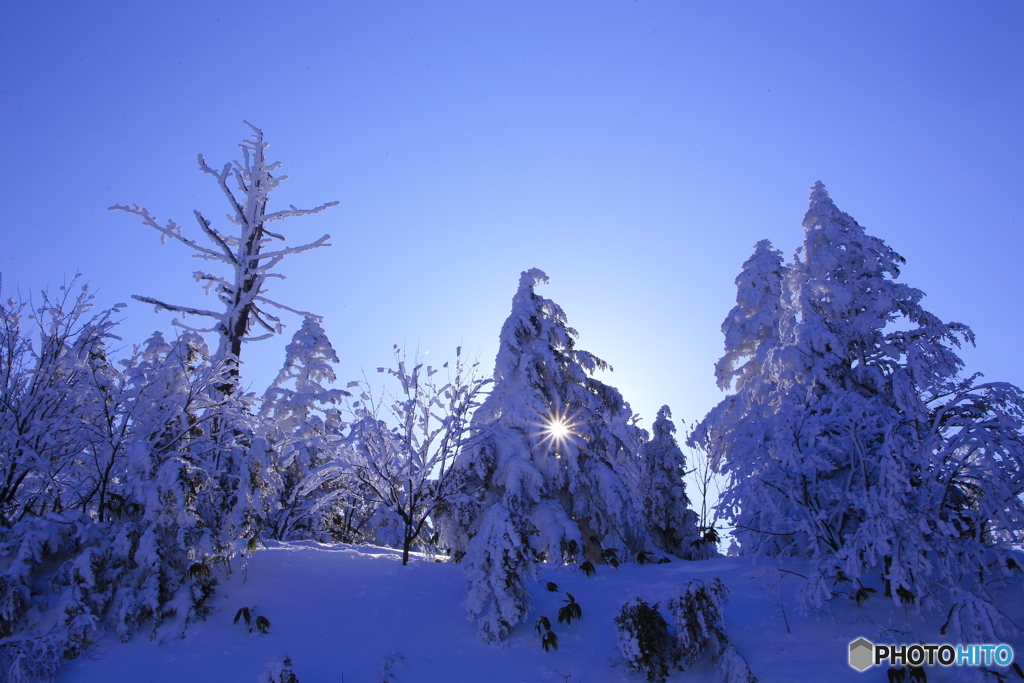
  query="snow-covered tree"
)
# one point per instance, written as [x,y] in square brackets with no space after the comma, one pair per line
[662,493]
[553,444]
[243,292]
[751,329]
[299,436]
[186,489]
[644,640]
[404,460]
[859,444]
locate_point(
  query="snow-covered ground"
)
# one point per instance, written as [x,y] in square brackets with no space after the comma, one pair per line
[341,613]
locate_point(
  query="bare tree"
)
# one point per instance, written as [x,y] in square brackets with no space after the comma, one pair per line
[407,468]
[243,291]
[705,479]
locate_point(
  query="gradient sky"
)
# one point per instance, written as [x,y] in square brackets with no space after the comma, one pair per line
[635,151]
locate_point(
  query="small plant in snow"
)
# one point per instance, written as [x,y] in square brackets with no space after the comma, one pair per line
[903,674]
[571,610]
[247,614]
[548,639]
[644,640]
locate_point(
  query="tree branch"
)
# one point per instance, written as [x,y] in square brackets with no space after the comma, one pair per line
[178,309]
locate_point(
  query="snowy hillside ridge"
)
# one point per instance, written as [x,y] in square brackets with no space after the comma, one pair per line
[345,613]
[868,474]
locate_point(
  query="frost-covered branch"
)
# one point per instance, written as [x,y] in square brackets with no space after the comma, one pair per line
[172,230]
[187,310]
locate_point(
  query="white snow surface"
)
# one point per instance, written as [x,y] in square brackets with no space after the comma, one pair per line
[354,614]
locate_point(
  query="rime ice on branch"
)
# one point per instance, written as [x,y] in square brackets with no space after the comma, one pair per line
[243,291]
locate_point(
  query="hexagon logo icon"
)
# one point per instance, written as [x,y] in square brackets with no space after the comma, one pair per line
[861,654]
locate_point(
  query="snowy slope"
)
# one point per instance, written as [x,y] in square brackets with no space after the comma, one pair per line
[340,612]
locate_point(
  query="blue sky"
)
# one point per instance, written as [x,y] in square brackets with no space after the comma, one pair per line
[635,151]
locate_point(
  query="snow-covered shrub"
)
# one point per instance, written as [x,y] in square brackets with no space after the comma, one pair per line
[391,663]
[644,640]
[30,660]
[853,439]
[279,670]
[138,498]
[55,382]
[699,619]
[733,667]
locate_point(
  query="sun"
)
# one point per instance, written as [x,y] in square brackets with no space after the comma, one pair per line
[556,430]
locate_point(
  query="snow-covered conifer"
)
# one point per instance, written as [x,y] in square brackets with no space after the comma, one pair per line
[751,329]
[864,448]
[497,566]
[300,432]
[662,492]
[553,443]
